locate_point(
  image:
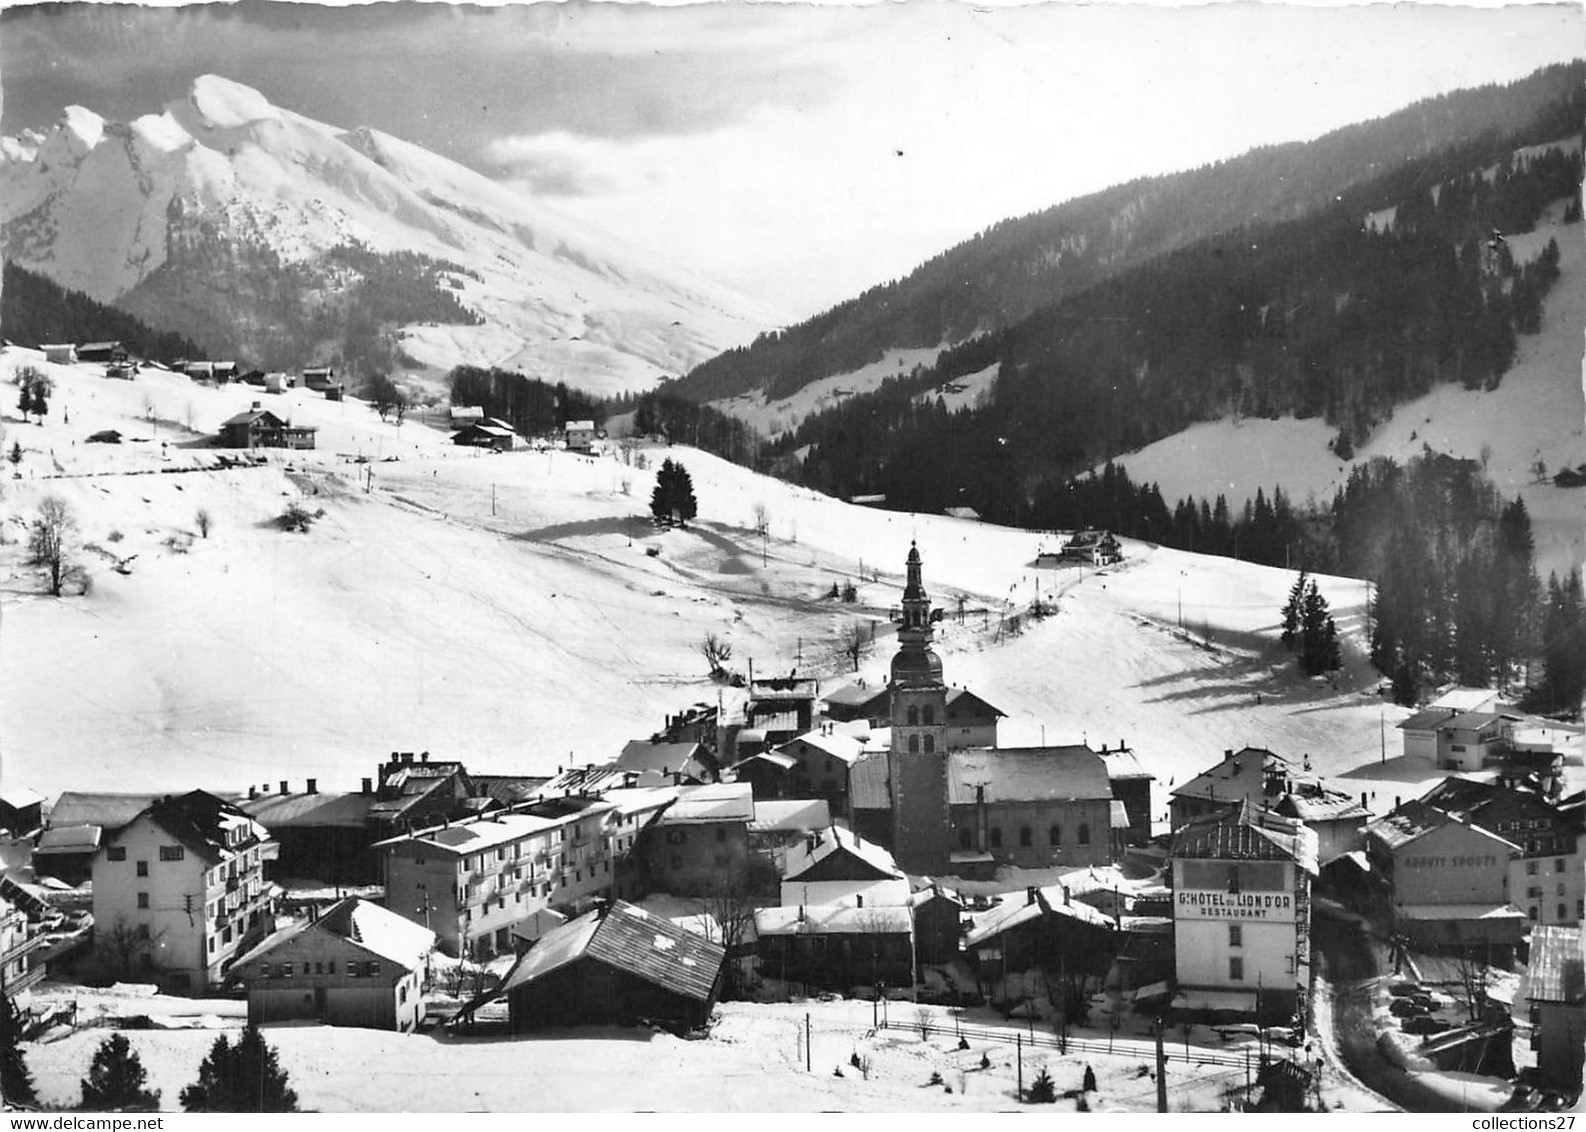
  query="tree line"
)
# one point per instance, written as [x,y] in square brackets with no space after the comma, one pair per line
[36,310]
[529,405]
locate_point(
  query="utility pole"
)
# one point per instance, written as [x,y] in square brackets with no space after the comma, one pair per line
[1161,1070]
[1018,1046]
[492,501]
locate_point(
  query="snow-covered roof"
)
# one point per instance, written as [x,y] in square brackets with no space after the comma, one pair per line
[778,815]
[1121,763]
[718,802]
[856,695]
[69,839]
[377,930]
[810,852]
[843,748]
[465,837]
[1466,699]
[1020,908]
[580,426]
[890,893]
[1026,774]
[629,939]
[1240,774]
[1458,912]
[284,811]
[818,919]
[20,797]
[1554,972]
[668,758]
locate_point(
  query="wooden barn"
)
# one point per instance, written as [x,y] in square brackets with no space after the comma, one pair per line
[617,964]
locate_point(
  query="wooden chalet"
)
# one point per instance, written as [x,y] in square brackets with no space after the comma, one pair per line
[260,428]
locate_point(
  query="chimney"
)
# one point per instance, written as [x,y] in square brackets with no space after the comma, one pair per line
[424,756]
[313,786]
[1030,894]
[1066,900]
[407,758]
[368,786]
[253,792]
[859,900]
[1363,805]
[283,786]
[257,405]
[1228,752]
[1397,802]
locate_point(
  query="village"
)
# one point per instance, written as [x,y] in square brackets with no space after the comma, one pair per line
[844,847]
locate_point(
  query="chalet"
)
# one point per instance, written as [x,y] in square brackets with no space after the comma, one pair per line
[1554,996]
[1096,548]
[870,703]
[224,371]
[200,371]
[410,794]
[699,845]
[260,428]
[661,763]
[812,765]
[180,890]
[278,382]
[461,416]
[102,352]
[1248,775]
[835,946]
[1446,880]
[581,436]
[1040,927]
[938,925]
[1242,916]
[322,837]
[487,434]
[355,964]
[837,854]
[321,379]
[61,354]
[614,965]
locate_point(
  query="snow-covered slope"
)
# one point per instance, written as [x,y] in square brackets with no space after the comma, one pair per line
[503,609]
[99,206]
[1537,412]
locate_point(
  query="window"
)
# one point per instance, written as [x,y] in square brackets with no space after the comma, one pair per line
[721,833]
[914,744]
[914,716]
[1534,891]
[1580,909]
[172,853]
[996,837]
[1236,935]
[1025,838]
[352,970]
[212,945]
[143,900]
[143,931]
[930,714]
[1055,835]
[1560,889]
[374,969]
[1084,834]
[1236,967]
[1558,864]
[319,968]
[1530,868]
[143,868]
[402,994]
[966,838]
[1288,964]
[330,966]
[1531,911]
[930,743]
[116,853]
[1563,912]
[676,836]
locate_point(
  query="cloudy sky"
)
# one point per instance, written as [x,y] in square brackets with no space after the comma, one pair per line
[798,152]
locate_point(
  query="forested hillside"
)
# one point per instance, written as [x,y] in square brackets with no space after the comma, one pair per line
[1325,316]
[1016,267]
[34,310]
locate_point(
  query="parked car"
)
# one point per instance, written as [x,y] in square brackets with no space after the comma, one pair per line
[1425,1025]
[1406,1008]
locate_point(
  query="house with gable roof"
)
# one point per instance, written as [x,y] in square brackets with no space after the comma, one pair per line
[354,964]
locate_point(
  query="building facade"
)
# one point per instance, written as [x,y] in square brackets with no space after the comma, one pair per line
[1241,916]
[179,892]
[917,761]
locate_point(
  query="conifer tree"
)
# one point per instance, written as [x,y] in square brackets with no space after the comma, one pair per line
[1318,634]
[116,1080]
[1291,611]
[1041,1090]
[245,1077]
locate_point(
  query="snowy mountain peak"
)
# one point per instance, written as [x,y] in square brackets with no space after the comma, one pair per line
[238,223]
[223,104]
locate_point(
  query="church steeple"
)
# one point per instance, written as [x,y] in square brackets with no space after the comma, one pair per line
[915,662]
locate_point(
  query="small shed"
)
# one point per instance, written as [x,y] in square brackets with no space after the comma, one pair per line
[492,436]
[101,352]
[319,378]
[464,415]
[60,353]
[616,964]
[581,436]
[200,371]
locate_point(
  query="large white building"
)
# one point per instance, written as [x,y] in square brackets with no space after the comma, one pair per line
[179,892]
[1241,915]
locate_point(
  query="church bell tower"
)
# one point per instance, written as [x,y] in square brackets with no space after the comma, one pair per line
[917,762]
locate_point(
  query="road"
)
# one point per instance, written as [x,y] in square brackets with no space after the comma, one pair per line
[1351,968]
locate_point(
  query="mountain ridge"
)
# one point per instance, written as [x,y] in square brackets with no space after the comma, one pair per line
[101,207]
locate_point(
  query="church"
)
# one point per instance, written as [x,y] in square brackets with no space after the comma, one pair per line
[965,812]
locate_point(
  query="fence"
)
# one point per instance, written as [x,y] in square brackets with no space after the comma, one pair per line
[1031,1039]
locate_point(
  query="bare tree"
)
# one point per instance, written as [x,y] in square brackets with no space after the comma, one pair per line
[856,642]
[52,542]
[731,910]
[762,519]
[204,521]
[716,652]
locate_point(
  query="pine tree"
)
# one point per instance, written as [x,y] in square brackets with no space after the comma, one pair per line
[16,1083]
[1318,634]
[673,497]
[245,1077]
[684,502]
[1041,1090]
[116,1079]
[1291,611]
